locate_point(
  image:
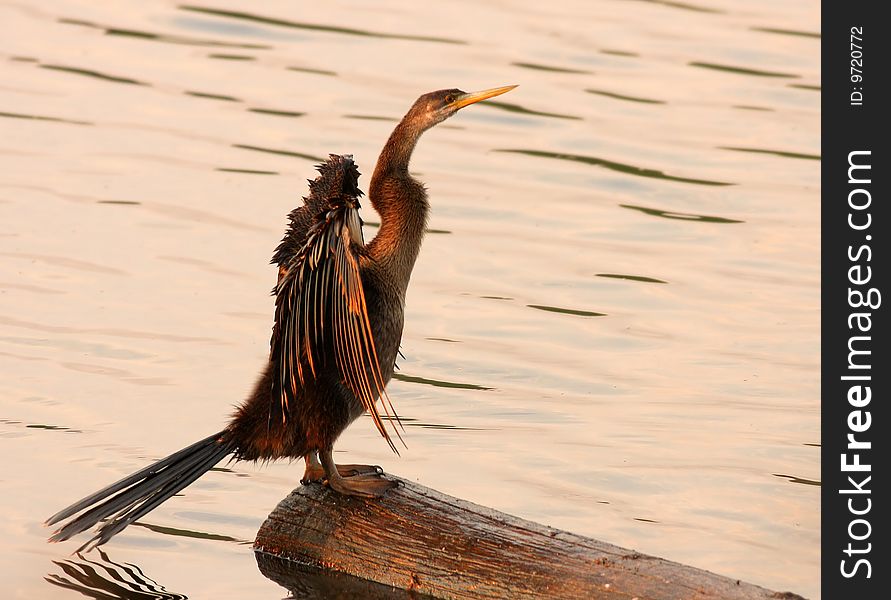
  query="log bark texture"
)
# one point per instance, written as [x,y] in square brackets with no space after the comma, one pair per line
[423,541]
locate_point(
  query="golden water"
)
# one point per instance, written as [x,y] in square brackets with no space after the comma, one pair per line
[613,326]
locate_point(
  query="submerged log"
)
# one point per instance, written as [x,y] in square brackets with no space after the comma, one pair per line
[421,540]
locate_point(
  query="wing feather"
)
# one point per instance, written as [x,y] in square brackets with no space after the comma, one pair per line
[321,311]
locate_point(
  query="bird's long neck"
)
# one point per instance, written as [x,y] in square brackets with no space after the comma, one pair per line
[401,202]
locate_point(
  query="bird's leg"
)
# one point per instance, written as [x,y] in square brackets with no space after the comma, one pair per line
[315,472]
[370,485]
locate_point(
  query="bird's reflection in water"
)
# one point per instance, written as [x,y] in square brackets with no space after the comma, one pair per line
[311,583]
[105,579]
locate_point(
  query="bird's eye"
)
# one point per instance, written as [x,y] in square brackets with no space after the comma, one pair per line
[450,98]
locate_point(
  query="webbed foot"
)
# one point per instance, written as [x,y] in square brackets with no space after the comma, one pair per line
[315,472]
[368,485]
[359,480]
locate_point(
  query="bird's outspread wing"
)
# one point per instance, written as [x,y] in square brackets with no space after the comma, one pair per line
[320,308]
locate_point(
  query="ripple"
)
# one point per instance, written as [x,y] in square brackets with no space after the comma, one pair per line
[371,118]
[806,86]
[10,115]
[640,278]
[120,374]
[106,579]
[750,107]
[45,427]
[782,153]
[313,71]
[444,426]
[204,265]
[53,428]
[792,32]
[29,288]
[255,18]
[201,217]
[623,97]
[277,113]
[376,225]
[684,6]
[540,67]
[68,263]
[437,383]
[125,333]
[22,356]
[566,311]
[189,533]
[242,57]
[78,347]
[246,171]
[516,108]
[212,96]
[613,166]
[619,53]
[667,214]
[742,70]
[801,480]
[279,152]
[161,37]
[93,74]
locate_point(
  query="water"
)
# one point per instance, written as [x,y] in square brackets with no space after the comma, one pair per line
[612,327]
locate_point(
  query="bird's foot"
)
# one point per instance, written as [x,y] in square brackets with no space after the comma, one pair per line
[368,485]
[315,473]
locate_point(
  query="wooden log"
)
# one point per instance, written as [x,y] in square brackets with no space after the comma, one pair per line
[421,540]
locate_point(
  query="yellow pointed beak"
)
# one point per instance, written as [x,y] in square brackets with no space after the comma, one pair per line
[473,97]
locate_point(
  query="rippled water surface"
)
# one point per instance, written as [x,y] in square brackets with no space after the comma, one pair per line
[612,327]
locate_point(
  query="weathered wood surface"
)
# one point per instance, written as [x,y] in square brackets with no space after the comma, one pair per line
[421,540]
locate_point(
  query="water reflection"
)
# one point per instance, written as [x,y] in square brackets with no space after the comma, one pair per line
[680,216]
[801,480]
[566,311]
[246,171]
[631,277]
[791,32]
[624,97]
[613,166]
[685,6]
[438,383]
[742,70]
[313,71]
[551,68]
[132,232]
[211,96]
[255,18]
[161,37]
[516,108]
[232,57]
[191,533]
[11,115]
[280,152]
[105,579]
[277,113]
[782,153]
[93,74]
[311,583]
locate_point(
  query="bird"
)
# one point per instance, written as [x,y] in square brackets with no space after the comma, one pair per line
[339,314]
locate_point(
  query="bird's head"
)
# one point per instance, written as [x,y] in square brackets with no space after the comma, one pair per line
[436,107]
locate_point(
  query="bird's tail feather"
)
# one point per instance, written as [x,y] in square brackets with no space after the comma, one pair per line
[134,496]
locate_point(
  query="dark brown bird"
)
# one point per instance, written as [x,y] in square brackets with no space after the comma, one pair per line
[338,323]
